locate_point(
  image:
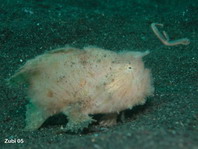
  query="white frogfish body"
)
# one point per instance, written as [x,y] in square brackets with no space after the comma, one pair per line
[80,82]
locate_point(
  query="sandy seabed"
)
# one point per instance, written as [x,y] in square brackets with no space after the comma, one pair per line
[169,119]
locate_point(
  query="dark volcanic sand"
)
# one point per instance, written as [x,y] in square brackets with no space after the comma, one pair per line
[169,119]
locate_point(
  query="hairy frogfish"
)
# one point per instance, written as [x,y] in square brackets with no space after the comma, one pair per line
[82,82]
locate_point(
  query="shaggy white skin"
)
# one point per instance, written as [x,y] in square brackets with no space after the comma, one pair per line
[81,82]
